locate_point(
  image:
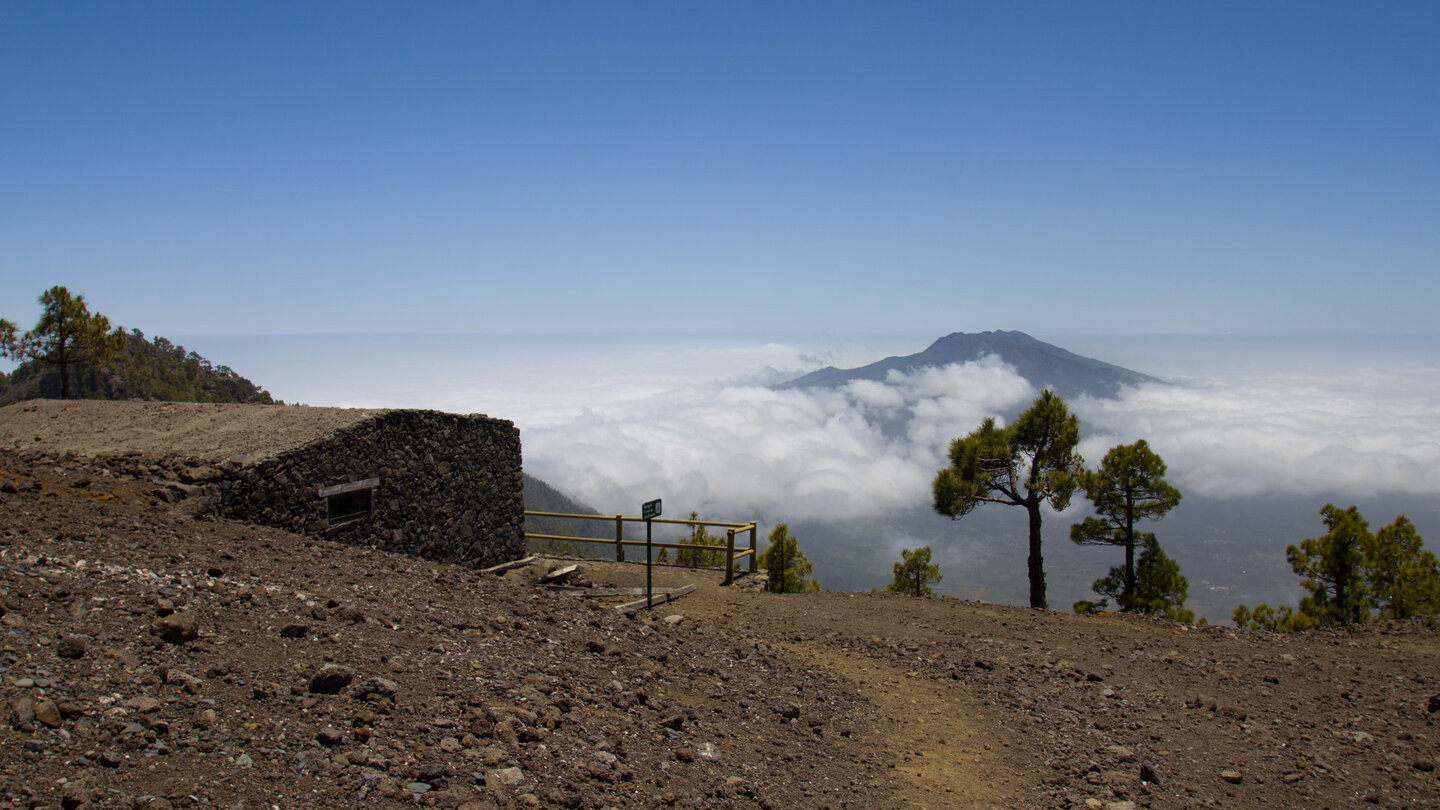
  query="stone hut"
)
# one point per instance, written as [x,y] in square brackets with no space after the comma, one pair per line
[436,485]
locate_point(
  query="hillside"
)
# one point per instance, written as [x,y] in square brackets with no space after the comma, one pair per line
[541,497]
[1043,364]
[158,370]
[155,660]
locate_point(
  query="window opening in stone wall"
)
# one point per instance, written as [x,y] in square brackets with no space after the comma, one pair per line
[347,506]
[349,502]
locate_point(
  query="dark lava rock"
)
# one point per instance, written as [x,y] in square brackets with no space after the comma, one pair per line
[331,678]
[178,628]
[71,647]
[377,686]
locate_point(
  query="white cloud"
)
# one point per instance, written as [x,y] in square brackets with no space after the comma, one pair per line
[615,421]
[1323,427]
[812,454]
[1371,432]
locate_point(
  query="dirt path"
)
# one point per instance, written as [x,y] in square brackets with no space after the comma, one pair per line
[979,706]
[946,759]
[948,750]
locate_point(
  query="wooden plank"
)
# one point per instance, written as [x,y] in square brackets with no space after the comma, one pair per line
[353,486]
[631,608]
[601,591]
[503,567]
[560,573]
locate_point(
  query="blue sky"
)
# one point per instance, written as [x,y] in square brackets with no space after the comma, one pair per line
[1105,167]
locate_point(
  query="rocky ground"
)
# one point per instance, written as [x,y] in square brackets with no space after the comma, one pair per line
[154,659]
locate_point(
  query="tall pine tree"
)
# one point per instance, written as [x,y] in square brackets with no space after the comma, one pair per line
[786,563]
[1026,464]
[1128,487]
[67,335]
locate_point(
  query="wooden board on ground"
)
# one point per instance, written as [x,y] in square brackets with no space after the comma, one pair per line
[560,573]
[503,567]
[603,591]
[631,608]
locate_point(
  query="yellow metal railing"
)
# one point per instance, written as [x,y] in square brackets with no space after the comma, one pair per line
[731,529]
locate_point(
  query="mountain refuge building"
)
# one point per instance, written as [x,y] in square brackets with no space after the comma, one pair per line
[446,487]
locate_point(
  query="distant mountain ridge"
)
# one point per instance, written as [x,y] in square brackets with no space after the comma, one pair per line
[1043,364]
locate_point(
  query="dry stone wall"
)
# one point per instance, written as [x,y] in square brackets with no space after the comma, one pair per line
[441,486]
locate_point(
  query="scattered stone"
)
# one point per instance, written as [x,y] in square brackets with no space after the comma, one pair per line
[178,628]
[143,704]
[71,647]
[1149,773]
[22,715]
[48,712]
[377,686]
[330,737]
[331,678]
[1232,776]
[506,777]
[75,795]
[294,631]
[708,752]
[187,682]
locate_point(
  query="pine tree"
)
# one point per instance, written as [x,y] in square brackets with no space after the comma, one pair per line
[699,550]
[914,573]
[1333,568]
[1403,578]
[1128,487]
[1352,574]
[1027,464]
[1158,590]
[68,334]
[786,563]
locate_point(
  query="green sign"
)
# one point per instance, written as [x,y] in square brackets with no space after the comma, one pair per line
[650,509]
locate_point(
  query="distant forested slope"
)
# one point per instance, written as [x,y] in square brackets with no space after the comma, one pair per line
[157,370]
[541,497]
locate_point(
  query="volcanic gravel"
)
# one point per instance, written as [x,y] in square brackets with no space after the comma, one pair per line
[156,658]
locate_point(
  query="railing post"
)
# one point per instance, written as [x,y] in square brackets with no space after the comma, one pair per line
[619,538]
[753,552]
[729,554]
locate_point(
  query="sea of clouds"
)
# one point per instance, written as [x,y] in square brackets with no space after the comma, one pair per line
[617,420]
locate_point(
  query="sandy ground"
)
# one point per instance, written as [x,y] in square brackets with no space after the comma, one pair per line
[205,431]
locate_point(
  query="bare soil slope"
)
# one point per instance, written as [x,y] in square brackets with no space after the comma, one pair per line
[205,431]
[155,660]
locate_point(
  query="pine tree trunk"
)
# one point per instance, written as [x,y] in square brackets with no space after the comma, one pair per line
[1037,558]
[1127,594]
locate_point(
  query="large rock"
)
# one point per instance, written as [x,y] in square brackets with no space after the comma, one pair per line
[178,628]
[331,678]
